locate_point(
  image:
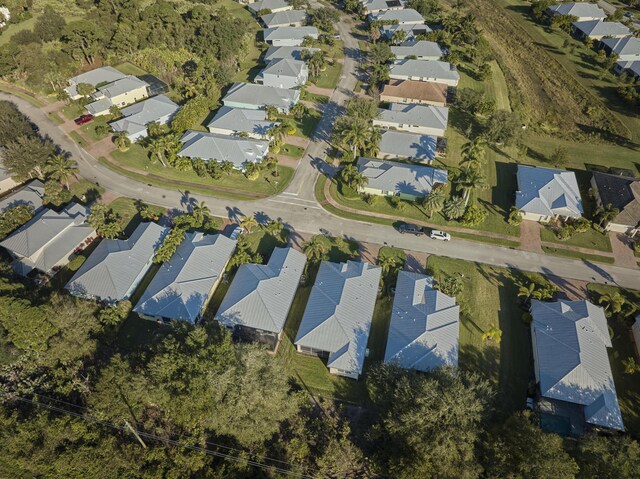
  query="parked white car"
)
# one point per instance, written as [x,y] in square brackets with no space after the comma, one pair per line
[237,231]
[439,235]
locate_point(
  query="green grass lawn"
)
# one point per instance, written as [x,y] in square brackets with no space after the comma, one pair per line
[127,210]
[73,110]
[129,68]
[489,296]
[314,97]
[627,386]
[75,136]
[574,254]
[234,184]
[5,87]
[330,76]
[589,239]
[14,28]
[85,191]
[89,129]
[292,150]
[307,125]
[54,117]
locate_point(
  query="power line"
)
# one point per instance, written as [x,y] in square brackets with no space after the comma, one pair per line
[172,442]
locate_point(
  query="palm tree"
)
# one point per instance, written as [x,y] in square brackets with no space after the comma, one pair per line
[614,302]
[469,180]
[473,152]
[373,142]
[606,215]
[241,257]
[122,141]
[272,113]
[248,223]
[387,263]
[315,249]
[356,134]
[274,227]
[492,334]
[454,208]
[226,167]
[200,212]
[434,201]
[157,148]
[347,173]
[358,181]
[398,37]
[60,168]
[316,61]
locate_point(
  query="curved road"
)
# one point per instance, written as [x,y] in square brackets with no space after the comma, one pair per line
[299,209]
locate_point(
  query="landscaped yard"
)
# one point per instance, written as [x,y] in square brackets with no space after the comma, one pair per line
[85,191]
[307,124]
[130,69]
[127,210]
[489,296]
[627,385]
[292,150]
[89,129]
[589,239]
[330,76]
[235,184]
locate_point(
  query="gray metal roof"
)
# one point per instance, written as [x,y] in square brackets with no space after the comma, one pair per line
[425,325]
[99,75]
[633,67]
[412,29]
[283,18]
[30,194]
[424,69]
[339,312]
[600,28]
[578,9]
[428,116]
[262,96]
[548,192]
[406,15]
[623,46]
[408,145]
[289,33]
[285,67]
[116,266]
[181,287]
[295,53]
[260,296]
[372,6]
[98,106]
[137,116]
[48,237]
[401,178]
[421,48]
[123,85]
[268,5]
[570,339]
[240,119]
[210,146]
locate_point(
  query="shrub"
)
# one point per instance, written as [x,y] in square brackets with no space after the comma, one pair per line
[371,199]
[565,232]
[75,263]
[474,215]
[581,225]
[101,129]
[515,218]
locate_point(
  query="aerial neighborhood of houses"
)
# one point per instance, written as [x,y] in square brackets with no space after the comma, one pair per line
[414,119]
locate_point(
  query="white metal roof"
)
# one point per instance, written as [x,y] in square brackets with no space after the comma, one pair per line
[424,69]
[428,116]
[137,116]
[213,147]
[548,192]
[401,178]
[30,194]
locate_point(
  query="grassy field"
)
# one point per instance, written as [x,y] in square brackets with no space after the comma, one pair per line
[89,129]
[330,76]
[627,386]
[14,28]
[72,111]
[292,150]
[127,210]
[489,296]
[235,183]
[130,69]
[589,239]
[307,124]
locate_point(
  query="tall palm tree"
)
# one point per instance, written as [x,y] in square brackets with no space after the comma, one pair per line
[60,168]
[356,134]
[373,142]
[473,151]
[347,173]
[200,212]
[614,302]
[315,249]
[248,223]
[398,37]
[387,263]
[469,180]
[434,201]
[157,147]
[358,181]
[226,167]
[454,208]
[122,141]
[275,227]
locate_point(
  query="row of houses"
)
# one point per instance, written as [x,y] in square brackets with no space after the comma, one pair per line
[614,37]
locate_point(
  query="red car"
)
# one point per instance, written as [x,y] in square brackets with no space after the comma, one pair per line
[81,120]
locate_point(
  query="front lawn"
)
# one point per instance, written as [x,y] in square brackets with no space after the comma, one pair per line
[489,295]
[307,124]
[330,76]
[85,191]
[89,129]
[292,150]
[589,239]
[127,210]
[236,183]
[577,255]
[73,110]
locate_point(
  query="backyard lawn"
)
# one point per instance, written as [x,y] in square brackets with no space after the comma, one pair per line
[489,296]
[234,184]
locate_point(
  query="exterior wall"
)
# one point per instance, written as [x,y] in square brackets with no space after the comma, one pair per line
[394,156]
[423,130]
[7,184]
[130,97]
[294,24]
[281,9]
[346,374]
[246,106]
[410,101]
[287,42]
[535,217]
[283,81]
[373,191]
[444,81]
[625,229]
[419,57]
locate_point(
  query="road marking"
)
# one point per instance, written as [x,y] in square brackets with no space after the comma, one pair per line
[288,193]
[293,203]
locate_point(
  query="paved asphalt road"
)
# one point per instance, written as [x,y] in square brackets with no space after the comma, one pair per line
[299,210]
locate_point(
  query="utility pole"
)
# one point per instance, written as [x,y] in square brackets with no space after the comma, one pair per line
[135,433]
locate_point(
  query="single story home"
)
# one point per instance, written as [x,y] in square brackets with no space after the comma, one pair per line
[6,180]
[214,147]
[98,76]
[622,193]
[415,92]
[427,71]
[257,303]
[288,18]
[544,194]
[135,118]
[390,178]
[372,7]
[116,267]
[583,11]
[289,36]
[30,194]
[405,16]
[284,73]
[251,96]
[627,49]
[425,325]
[120,93]
[422,119]
[419,50]
[184,285]
[571,365]
[292,53]
[412,30]
[49,240]
[631,68]
[337,320]
[233,121]
[597,30]
[407,146]
[271,5]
